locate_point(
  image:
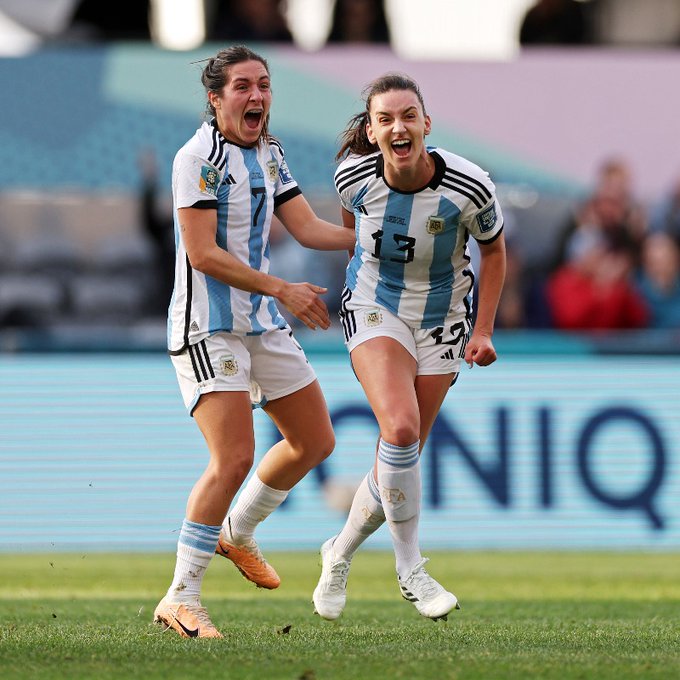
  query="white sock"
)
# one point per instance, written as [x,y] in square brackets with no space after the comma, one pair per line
[399,482]
[365,516]
[195,548]
[255,503]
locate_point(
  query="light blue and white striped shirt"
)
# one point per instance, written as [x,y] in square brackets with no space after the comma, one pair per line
[244,185]
[411,253]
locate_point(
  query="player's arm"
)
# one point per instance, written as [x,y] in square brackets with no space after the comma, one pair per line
[199,229]
[480,349]
[309,230]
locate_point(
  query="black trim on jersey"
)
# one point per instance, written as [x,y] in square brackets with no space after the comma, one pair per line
[213,122]
[205,204]
[469,274]
[354,174]
[218,153]
[435,181]
[439,170]
[493,238]
[286,196]
[275,142]
[464,190]
[479,189]
[347,318]
[187,311]
[357,167]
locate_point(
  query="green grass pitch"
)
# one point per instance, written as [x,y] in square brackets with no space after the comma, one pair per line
[524,615]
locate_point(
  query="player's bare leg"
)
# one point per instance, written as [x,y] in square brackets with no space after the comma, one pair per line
[303,420]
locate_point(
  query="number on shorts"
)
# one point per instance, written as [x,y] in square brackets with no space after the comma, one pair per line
[457,331]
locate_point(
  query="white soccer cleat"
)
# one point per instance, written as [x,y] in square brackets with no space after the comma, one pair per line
[430,598]
[330,593]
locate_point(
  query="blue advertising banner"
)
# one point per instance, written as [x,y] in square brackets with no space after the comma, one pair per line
[97,452]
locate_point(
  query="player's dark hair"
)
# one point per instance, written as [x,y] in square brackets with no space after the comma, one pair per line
[354,138]
[215,74]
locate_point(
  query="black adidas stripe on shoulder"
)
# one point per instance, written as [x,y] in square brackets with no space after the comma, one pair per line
[275,142]
[362,170]
[465,190]
[474,184]
[369,161]
[218,156]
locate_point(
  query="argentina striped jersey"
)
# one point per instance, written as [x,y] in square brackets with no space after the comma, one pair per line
[411,254]
[244,185]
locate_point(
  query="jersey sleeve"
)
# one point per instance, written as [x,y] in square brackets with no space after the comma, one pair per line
[485,223]
[344,184]
[195,182]
[285,187]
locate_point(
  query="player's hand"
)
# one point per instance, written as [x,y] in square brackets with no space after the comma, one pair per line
[303,301]
[480,351]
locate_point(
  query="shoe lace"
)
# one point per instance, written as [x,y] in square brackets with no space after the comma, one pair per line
[252,547]
[201,613]
[337,576]
[422,583]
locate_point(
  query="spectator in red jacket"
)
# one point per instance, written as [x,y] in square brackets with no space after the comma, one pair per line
[595,290]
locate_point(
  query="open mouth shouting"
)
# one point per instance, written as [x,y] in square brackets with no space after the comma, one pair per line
[401,147]
[253,118]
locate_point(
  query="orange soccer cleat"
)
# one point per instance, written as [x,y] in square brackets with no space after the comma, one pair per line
[249,560]
[188,620]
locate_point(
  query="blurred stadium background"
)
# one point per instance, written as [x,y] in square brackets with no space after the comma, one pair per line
[572,440]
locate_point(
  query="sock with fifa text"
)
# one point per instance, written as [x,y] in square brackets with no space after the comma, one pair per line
[366,515]
[399,483]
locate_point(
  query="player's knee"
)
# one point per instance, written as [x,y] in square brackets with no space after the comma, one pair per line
[316,450]
[234,467]
[400,432]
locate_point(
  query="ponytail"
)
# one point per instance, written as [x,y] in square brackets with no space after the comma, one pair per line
[354,139]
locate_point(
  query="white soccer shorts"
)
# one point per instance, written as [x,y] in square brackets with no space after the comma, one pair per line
[437,351]
[268,366]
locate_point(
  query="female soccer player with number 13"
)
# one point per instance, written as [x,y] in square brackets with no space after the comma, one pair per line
[407,315]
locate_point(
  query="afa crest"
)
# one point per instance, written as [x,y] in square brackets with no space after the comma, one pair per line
[435,225]
[228,364]
[373,318]
[272,170]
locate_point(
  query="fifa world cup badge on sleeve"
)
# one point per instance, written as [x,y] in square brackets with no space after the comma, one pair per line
[208,180]
[228,364]
[487,218]
[284,173]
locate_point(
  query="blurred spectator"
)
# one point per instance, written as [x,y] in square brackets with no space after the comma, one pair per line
[659,280]
[594,291]
[666,216]
[610,213]
[636,23]
[359,21]
[158,227]
[555,22]
[249,20]
[511,307]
